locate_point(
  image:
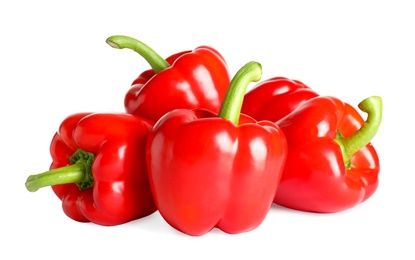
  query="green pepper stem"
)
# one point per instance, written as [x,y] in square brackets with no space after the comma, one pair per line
[69,174]
[350,145]
[232,103]
[156,62]
[79,172]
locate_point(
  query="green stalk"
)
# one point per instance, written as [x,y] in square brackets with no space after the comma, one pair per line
[350,145]
[156,62]
[231,106]
[78,172]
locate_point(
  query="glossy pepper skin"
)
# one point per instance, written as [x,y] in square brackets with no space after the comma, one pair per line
[132,100]
[99,169]
[276,97]
[189,79]
[209,170]
[331,165]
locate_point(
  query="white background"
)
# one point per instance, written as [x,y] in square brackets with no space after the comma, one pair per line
[54,62]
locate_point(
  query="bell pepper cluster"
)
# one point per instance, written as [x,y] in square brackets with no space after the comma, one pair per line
[205,152]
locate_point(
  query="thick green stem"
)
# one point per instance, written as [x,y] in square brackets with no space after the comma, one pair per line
[78,172]
[231,106]
[70,174]
[350,145]
[156,62]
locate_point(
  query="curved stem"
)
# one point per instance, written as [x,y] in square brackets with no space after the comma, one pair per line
[231,106]
[69,174]
[156,62]
[350,145]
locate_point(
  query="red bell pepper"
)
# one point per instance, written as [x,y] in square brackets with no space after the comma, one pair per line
[99,169]
[274,98]
[331,165]
[212,170]
[189,79]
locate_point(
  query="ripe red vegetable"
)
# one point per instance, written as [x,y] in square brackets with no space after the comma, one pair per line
[327,170]
[99,169]
[216,170]
[189,79]
[331,165]
[274,98]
